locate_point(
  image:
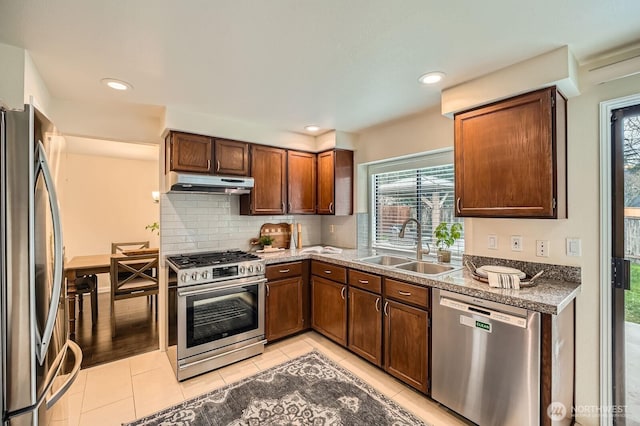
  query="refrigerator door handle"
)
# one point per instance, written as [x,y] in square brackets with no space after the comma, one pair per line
[77,353]
[43,340]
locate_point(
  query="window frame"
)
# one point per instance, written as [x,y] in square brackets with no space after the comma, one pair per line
[434,158]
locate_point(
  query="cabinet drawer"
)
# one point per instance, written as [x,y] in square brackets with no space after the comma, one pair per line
[365,281]
[405,292]
[327,270]
[284,270]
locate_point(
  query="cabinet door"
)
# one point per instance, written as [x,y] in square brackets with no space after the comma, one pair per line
[365,325]
[329,309]
[190,153]
[301,182]
[231,157]
[284,307]
[268,168]
[326,162]
[510,158]
[406,344]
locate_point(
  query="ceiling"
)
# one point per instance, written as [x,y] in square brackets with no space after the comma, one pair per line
[283,64]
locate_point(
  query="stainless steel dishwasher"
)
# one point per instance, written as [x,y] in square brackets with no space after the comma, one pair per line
[486,360]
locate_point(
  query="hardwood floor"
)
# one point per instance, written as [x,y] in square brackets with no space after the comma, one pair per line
[136,330]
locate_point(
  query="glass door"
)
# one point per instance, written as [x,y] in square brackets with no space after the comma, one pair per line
[625,125]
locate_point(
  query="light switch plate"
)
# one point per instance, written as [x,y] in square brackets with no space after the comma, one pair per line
[492,242]
[574,247]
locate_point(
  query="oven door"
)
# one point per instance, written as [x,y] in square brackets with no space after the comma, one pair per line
[212,316]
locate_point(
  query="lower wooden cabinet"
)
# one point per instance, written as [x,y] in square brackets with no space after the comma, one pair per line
[284,308]
[329,309]
[406,332]
[365,325]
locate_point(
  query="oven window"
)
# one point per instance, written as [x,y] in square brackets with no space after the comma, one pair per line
[221,314]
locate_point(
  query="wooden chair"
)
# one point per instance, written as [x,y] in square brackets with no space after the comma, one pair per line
[120,247]
[88,284]
[131,276]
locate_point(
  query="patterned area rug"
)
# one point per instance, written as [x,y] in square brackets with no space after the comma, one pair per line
[308,390]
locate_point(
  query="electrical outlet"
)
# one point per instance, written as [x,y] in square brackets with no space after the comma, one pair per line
[492,242]
[516,243]
[332,229]
[542,248]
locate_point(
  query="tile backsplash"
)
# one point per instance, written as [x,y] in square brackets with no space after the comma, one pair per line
[200,222]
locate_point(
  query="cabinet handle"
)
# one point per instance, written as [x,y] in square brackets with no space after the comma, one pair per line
[327,271]
[283,206]
[404,293]
[284,271]
[386,308]
[458,204]
[218,166]
[363,281]
[331,207]
[289,206]
[378,304]
[342,292]
[267,287]
[208,164]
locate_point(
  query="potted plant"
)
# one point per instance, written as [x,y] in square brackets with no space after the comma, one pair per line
[445,237]
[154,227]
[266,241]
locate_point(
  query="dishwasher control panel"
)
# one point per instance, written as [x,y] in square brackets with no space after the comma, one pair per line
[481,310]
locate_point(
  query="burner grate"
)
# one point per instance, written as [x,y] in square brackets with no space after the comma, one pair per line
[212,258]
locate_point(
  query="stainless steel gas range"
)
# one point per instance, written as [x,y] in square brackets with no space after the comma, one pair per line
[217,310]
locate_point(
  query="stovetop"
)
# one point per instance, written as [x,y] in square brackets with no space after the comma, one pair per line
[215,266]
[211,258]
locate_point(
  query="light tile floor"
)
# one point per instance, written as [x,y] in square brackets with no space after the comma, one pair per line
[131,388]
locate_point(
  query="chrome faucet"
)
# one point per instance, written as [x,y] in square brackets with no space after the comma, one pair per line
[419,250]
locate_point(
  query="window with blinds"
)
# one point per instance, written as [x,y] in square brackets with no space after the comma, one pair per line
[424,193]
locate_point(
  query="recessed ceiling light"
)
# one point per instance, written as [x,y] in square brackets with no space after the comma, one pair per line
[117,84]
[312,128]
[431,77]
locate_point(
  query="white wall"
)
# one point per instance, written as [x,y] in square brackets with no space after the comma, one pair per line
[105,200]
[11,76]
[206,124]
[430,131]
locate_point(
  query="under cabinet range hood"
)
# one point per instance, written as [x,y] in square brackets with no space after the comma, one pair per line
[191,182]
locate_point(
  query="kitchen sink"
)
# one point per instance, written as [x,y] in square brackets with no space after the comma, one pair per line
[427,268]
[385,260]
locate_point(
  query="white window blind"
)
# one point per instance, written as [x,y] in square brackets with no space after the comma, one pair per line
[423,193]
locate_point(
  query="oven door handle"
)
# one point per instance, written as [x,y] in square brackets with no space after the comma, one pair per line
[209,288]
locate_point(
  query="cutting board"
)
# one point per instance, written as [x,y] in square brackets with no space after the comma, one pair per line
[280,232]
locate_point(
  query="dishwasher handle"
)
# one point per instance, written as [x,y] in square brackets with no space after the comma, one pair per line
[482,311]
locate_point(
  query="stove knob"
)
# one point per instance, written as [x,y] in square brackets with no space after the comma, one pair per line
[194,276]
[241,270]
[259,267]
[184,277]
[250,269]
[204,275]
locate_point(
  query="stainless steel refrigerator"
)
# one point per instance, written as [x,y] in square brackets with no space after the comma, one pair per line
[39,362]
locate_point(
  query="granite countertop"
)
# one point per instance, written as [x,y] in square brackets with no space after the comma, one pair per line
[551,294]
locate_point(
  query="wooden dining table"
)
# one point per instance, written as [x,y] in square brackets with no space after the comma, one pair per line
[89,265]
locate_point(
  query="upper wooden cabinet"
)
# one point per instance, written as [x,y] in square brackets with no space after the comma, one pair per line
[187,152]
[335,182]
[510,158]
[231,157]
[269,171]
[301,182]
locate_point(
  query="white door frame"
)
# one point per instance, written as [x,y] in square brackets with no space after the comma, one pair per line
[606,391]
